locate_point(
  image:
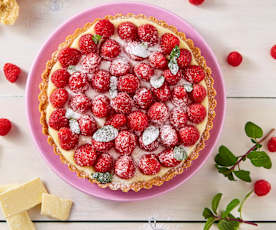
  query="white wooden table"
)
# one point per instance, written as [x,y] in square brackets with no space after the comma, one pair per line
[247,26]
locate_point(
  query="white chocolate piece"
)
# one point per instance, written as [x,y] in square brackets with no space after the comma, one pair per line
[20,221]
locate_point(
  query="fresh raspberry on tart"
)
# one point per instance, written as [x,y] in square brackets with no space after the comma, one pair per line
[69,56]
[143,71]
[117,120]
[119,67]
[104,28]
[125,142]
[122,103]
[80,103]
[150,147]
[184,59]
[102,147]
[167,158]
[5,126]
[178,117]
[78,82]
[172,79]
[179,92]
[124,167]
[101,81]
[158,60]
[59,97]
[137,121]
[149,164]
[101,106]
[196,113]
[198,93]
[110,49]
[163,93]
[128,31]
[167,42]
[91,62]
[143,98]
[87,45]
[67,139]
[158,113]
[60,78]
[194,74]
[85,155]
[189,135]
[168,136]
[128,83]
[104,163]
[87,125]
[58,119]
[11,72]
[148,33]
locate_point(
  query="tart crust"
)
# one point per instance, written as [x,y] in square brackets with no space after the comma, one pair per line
[171,173]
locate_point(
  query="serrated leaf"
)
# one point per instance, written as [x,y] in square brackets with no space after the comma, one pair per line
[207,213]
[96,38]
[225,157]
[226,172]
[253,130]
[227,225]
[215,202]
[233,204]
[243,175]
[209,223]
[260,159]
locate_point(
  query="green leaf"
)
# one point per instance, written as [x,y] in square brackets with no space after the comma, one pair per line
[207,213]
[226,172]
[243,175]
[175,53]
[243,201]
[253,130]
[233,204]
[225,157]
[227,225]
[215,202]
[173,66]
[260,159]
[209,223]
[96,38]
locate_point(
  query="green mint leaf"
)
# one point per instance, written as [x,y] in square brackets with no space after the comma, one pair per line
[96,38]
[103,178]
[243,175]
[175,53]
[243,201]
[209,223]
[227,225]
[253,130]
[260,159]
[253,141]
[179,153]
[226,172]
[233,204]
[215,202]
[225,157]
[207,213]
[173,66]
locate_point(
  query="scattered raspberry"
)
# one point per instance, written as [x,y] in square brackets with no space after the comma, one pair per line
[184,58]
[143,98]
[167,159]
[101,81]
[163,93]
[196,2]
[149,148]
[78,82]
[125,142]
[158,113]
[122,103]
[158,60]
[104,163]
[11,72]
[128,31]
[104,28]
[118,120]
[60,78]
[128,83]
[271,144]
[168,42]
[59,97]
[234,58]
[87,125]
[85,155]
[137,121]
[119,67]
[67,139]
[80,103]
[198,93]
[102,147]
[91,62]
[196,113]
[178,117]
[194,74]
[69,56]
[5,126]
[110,49]
[168,136]
[143,71]
[262,187]
[149,165]
[86,44]
[148,33]
[101,106]
[58,120]
[179,92]
[124,167]
[273,51]
[172,79]
[189,135]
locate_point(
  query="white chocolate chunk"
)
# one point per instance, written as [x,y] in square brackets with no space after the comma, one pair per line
[6,187]
[20,221]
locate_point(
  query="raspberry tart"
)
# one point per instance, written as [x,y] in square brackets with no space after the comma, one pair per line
[127,102]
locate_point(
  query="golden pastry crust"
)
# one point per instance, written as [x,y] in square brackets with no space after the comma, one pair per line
[157,180]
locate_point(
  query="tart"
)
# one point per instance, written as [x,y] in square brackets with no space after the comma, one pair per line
[127,102]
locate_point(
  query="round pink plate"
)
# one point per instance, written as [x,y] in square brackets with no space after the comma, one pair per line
[51,45]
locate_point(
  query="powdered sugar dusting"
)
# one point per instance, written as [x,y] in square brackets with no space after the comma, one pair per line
[74,126]
[150,135]
[105,134]
[70,114]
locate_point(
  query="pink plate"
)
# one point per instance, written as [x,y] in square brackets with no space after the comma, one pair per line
[51,45]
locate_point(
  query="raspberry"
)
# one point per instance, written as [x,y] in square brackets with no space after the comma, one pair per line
[124,167]
[87,125]
[168,136]
[102,146]
[5,126]
[194,74]
[119,67]
[178,117]
[91,62]
[198,93]
[184,58]
[143,71]
[78,82]
[100,106]
[128,83]
[158,113]
[80,103]
[143,98]
[163,93]
[179,92]
[149,164]
[101,81]
[196,2]
[167,159]
[117,120]
[271,144]
[158,60]
[60,78]
[189,135]
[59,97]
[86,44]
[110,49]
[262,187]
[137,121]
[67,139]
[148,33]
[58,120]
[69,56]
[11,72]
[149,148]
[125,142]
[104,28]
[128,31]
[273,52]
[104,163]
[196,113]
[234,58]
[85,155]
[168,42]
[122,103]
[172,79]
